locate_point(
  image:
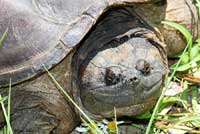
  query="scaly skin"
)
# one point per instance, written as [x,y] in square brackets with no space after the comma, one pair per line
[37,106]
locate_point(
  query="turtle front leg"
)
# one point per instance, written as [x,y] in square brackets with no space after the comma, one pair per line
[37,106]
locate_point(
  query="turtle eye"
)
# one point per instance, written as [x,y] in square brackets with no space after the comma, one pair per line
[143,66]
[110,77]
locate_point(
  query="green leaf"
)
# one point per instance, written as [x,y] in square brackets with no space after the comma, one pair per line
[138,126]
[196,123]
[197,40]
[170,99]
[184,94]
[174,99]
[9,103]
[188,37]
[185,59]
[188,119]
[116,126]
[187,66]
[6,115]
[196,59]
[194,52]
[4,99]
[184,67]
[3,36]
[195,105]
[145,115]
[183,30]
[197,3]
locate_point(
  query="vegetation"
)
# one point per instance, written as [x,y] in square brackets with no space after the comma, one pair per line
[177,111]
[7,129]
[3,37]
[182,110]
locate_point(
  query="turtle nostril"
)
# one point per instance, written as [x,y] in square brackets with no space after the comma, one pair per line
[143,66]
[134,79]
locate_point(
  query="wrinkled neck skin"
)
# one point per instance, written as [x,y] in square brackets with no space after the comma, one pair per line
[121,64]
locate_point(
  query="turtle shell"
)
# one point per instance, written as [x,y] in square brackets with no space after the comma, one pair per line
[42,32]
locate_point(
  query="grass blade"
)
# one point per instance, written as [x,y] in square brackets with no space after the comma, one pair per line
[188,38]
[6,116]
[195,103]
[198,6]
[116,126]
[183,30]
[4,99]
[162,94]
[72,101]
[9,102]
[3,36]
[188,119]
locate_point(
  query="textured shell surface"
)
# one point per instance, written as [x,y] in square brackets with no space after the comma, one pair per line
[42,32]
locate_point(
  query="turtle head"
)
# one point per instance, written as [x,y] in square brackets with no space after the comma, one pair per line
[121,64]
[128,76]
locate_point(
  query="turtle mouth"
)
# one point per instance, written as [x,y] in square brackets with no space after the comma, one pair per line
[123,95]
[113,91]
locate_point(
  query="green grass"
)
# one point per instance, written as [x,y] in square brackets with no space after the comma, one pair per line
[188,59]
[197,3]
[116,126]
[93,126]
[7,129]
[3,37]
[189,45]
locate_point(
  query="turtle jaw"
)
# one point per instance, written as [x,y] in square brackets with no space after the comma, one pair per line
[126,97]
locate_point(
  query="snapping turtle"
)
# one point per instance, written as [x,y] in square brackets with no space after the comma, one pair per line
[105,53]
